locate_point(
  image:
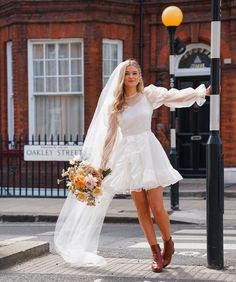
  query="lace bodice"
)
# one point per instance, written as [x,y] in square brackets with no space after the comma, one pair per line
[137,114]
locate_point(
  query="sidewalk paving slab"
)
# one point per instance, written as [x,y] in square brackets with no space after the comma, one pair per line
[192,210]
[120,269]
[21,251]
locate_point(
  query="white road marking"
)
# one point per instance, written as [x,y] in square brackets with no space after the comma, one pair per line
[195,237]
[198,238]
[182,246]
[49,233]
[202,231]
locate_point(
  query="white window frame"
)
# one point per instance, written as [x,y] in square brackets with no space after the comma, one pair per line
[119,44]
[31,95]
[188,71]
[10,93]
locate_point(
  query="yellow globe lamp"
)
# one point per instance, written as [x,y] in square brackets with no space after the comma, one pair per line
[172,16]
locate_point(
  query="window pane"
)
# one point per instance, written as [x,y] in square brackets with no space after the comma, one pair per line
[51,84]
[76,50]
[60,63]
[113,65]
[64,84]
[58,115]
[50,51]
[106,68]
[38,51]
[76,84]
[105,79]
[51,67]
[64,67]
[106,51]
[38,84]
[63,51]
[38,68]
[114,51]
[76,67]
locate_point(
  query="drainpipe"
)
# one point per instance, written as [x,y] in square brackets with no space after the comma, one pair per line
[141,43]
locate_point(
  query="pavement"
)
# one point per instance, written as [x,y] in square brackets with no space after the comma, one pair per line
[192,210]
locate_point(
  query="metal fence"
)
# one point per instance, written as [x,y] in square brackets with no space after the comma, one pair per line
[20,178]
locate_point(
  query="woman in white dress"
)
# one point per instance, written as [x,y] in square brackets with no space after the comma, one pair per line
[120,138]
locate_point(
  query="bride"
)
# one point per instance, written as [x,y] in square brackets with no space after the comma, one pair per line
[120,138]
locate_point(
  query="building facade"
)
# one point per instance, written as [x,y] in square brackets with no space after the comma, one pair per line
[55,57]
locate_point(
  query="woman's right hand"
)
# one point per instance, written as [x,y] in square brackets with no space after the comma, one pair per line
[100,171]
[208,91]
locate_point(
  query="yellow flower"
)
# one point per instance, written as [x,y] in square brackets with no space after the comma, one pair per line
[81,197]
[97,191]
[79,181]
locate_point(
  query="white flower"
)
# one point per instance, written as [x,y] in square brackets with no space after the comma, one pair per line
[86,163]
[90,181]
[75,160]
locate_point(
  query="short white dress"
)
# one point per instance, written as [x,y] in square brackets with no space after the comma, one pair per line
[138,160]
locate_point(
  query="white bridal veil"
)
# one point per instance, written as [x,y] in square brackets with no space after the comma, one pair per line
[78,227]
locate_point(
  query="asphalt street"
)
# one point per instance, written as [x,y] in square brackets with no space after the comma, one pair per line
[119,242]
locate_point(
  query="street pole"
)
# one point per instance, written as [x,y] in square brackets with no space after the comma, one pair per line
[174,189]
[214,153]
[172,17]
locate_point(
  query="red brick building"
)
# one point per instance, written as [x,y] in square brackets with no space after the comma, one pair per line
[55,57]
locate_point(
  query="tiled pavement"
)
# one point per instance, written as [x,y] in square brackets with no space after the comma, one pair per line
[123,268]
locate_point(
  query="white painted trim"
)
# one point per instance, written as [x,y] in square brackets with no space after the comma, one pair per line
[10,93]
[230,175]
[172,138]
[215,112]
[172,64]
[31,96]
[215,39]
[191,72]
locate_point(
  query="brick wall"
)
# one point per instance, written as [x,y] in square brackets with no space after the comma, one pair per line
[95,20]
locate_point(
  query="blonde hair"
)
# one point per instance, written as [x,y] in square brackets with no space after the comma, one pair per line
[119,102]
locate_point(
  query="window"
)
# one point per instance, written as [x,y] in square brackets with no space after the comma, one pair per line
[56,104]
[112,56]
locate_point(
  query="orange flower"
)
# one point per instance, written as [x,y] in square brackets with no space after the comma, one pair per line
[81,197]
[97,191]
[79,181]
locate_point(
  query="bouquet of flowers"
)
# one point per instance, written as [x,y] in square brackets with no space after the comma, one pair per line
[83,180]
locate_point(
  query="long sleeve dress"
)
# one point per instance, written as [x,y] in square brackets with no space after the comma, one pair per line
[139,161]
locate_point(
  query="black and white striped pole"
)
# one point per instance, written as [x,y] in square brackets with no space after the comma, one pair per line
[172,17]
[214,151]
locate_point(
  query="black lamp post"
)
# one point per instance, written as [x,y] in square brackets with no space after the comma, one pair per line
[172,17]
[215,159]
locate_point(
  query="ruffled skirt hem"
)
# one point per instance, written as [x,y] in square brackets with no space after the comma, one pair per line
[139,163]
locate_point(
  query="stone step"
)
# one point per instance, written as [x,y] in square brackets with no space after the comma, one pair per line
[21,251]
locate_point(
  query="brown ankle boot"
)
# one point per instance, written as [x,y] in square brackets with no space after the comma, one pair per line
[157,263]
[168,252]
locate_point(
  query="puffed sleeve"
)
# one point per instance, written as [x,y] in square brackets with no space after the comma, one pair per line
[175,98]
[109,140]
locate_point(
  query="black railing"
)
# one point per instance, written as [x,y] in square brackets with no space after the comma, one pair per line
[20,178]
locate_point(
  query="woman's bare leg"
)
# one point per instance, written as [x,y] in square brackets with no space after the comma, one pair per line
[144,216]
[145,220]
[156,203]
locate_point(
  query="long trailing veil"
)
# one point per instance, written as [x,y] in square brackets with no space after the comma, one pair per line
[79,226]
